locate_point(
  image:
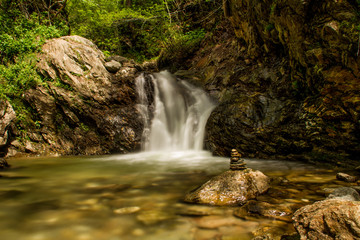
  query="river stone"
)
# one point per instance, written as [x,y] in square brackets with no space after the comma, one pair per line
[255,208]
[329,219]
[113,66]
[344,193]
[346,177]
[230,188]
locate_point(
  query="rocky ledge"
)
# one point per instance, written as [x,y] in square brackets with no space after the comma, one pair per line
[86,106]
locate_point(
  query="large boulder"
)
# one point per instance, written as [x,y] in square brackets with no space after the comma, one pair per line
[230,188]
[84,109]
[337,217]
[329,219]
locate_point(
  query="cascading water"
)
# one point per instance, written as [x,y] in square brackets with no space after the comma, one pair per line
[175,120]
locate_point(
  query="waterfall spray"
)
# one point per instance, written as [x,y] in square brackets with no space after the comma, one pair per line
[175,120]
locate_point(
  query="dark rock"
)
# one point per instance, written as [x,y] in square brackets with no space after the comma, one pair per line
[236,162]
[346,177]
[294,236]
[287,84]
[328,219]
[230,188]
[117,58]
[113,66]
[4,164]
[7,117]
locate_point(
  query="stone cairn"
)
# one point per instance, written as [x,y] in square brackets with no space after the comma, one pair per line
[236,162]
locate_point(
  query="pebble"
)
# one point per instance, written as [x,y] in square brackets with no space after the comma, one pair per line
[127,210]
[346,177]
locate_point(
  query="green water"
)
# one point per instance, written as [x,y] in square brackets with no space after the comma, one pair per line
[140,197]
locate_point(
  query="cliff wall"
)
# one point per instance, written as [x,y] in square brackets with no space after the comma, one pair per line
[286,75]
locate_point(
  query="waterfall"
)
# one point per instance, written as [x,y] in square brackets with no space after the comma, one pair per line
[175,115]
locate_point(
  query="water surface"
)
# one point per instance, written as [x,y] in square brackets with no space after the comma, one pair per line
[139,196]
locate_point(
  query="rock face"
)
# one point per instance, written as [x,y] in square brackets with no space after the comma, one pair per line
[286,75]
[7,117]
[84,109]
[230,188]
[329,219]
[113,66]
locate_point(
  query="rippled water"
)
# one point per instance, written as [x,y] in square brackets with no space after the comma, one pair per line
[139,196]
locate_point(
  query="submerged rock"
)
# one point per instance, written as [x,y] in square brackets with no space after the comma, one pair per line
[264,209]
[328,219]
[230,188]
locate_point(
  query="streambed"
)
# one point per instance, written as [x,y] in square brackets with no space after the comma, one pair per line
[139,196]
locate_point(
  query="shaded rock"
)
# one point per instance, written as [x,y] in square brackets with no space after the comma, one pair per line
[287,83]
[328,219]
[346,177]
[4,164]
[7,116]
[117,58]
[294,236]
[344,193]
[230,188]
[113,66]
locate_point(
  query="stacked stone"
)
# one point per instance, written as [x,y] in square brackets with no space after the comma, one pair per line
[236,162]
[3,164]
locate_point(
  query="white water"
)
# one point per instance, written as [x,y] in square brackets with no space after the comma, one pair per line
[180,112]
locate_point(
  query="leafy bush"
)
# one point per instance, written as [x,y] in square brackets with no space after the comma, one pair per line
[27,36]
[138,29]
[21,38]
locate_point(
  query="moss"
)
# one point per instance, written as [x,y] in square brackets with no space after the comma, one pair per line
[84,127]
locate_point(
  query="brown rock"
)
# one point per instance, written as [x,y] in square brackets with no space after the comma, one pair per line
[230,188]
[7,116]
[329,219]
[346,177]
[113,66]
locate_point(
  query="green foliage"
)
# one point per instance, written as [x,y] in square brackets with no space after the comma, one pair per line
[22,33]
[133,28]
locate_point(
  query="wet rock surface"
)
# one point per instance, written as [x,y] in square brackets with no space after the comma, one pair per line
[230,188]
[286,82]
